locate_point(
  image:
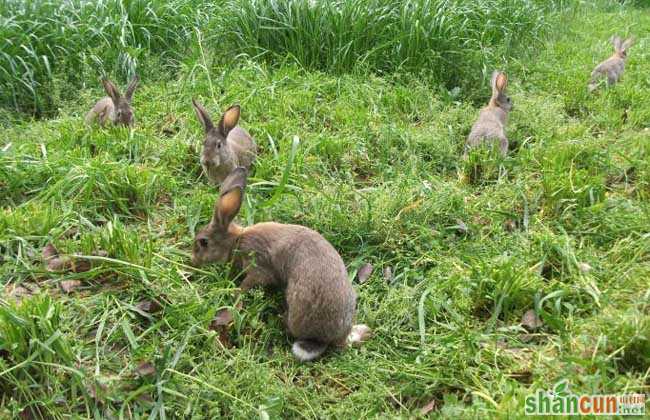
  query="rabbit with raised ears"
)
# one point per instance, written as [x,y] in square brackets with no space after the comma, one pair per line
[320,301]
[114,108]
[226,145]
[491,123]
[614,66]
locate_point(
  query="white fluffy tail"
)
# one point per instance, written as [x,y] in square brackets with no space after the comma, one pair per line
[306,350]
[359,334]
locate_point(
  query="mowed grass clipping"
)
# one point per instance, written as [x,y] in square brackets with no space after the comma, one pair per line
[560,226]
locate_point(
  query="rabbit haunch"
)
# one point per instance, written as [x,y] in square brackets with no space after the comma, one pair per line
[320,300]
[226,145]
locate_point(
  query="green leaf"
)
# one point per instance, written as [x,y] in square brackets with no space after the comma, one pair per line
[128,332]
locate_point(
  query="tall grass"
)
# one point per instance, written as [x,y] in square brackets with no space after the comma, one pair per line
[49,48]
[75,41]
[453,40]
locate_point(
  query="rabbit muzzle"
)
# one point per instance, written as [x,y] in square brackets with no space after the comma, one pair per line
[210,161]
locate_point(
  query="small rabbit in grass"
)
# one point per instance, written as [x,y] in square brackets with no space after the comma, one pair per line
[613,67]
[319,297]
[115,107]
[491,123]
[226,145]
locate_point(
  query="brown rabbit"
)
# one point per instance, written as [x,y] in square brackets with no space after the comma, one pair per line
[614,66]
[115,107]
[226,146]
[491,123]
[319,297]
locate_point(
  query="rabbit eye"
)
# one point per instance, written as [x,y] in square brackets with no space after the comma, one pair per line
[203,242]
[218,145]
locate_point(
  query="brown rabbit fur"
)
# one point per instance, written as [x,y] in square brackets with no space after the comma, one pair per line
[492,119]
[226,145]
[320,300]
[614,66]
[115,108]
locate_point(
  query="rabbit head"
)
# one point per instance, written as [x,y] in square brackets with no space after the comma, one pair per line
[216,151]
[620,46]
[499,98]
[123,113]
[216,241]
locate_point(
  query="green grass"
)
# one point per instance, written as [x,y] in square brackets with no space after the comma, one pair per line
[561,225]
[50,48]
[455,41]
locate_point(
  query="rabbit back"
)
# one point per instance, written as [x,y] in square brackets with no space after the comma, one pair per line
[320,298]
[243,146]
[490,125]
[612,68]
[103,110]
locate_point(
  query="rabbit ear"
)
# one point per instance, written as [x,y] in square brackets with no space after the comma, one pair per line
[627,44]
[203,115]
[111,90]
[131,88]
[230,198]
[499,82]
[493,83]
[616,41]
[229,120]
[502,82]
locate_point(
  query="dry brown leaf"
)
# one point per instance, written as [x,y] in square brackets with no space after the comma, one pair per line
[17,292]
[431,405]
[221,324]
[79,265]
[71,232]
[531,321]
[510,225]
[75,265]
[524,377]
[149,306]
[69,286]
[145,369]
[222,318]
[57,263]
[50,252]
[364,273]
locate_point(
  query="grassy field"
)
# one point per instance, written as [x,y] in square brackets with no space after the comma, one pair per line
[368,154]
